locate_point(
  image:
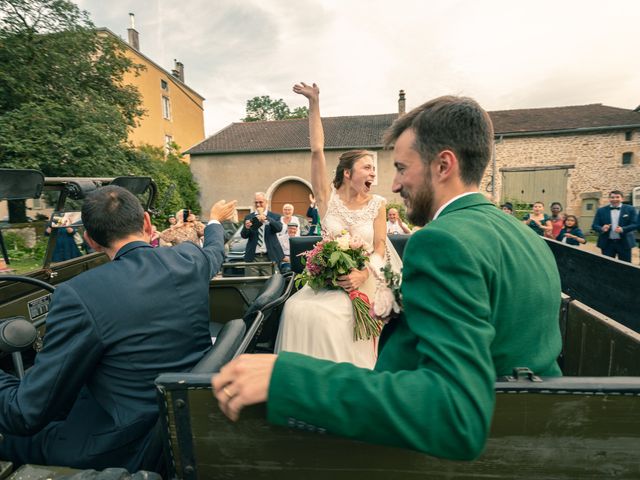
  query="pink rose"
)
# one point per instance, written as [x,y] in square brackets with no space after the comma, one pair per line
[356,242]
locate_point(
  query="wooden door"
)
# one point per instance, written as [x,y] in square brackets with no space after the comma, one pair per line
[529,186]
[294,192]
[587,212]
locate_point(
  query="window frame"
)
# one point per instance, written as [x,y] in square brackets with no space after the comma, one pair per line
[166,107]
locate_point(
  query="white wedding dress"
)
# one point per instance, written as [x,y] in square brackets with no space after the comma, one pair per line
[320,323]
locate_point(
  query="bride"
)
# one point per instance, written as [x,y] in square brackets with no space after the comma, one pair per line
[320,323]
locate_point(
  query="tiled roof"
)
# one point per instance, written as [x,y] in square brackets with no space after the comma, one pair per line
[366,131]
[562,118]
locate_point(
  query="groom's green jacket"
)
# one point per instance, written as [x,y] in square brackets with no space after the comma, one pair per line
[481,295]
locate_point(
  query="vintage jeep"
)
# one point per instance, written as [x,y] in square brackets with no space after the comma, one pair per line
[583,425]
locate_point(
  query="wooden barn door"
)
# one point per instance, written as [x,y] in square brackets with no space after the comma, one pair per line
[529,186]
[294,192]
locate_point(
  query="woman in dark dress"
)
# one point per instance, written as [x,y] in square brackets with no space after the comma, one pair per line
[537,220]
[66,247]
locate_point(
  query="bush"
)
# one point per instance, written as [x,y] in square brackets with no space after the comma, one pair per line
[176,187]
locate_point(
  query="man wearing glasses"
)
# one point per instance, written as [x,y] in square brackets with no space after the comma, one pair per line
[260,229]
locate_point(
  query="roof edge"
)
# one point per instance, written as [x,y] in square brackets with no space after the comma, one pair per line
[306,149]
[177,80]
[537,133]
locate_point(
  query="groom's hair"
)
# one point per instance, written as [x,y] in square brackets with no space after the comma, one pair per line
[451,123]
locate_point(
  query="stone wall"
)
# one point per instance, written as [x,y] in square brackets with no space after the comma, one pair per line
[597,158]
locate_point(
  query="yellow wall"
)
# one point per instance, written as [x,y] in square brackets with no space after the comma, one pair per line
[186,124]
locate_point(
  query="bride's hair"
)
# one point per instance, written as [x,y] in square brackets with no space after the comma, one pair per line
[346,162]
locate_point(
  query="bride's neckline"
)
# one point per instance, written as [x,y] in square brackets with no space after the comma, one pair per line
[344,205]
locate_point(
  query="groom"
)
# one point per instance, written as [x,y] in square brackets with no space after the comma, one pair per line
[470,279]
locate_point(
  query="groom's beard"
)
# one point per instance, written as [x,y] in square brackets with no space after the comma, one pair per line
[421,204]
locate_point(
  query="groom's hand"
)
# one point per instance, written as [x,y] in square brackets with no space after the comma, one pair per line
[243,382]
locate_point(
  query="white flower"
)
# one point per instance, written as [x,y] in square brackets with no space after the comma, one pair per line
[343,241]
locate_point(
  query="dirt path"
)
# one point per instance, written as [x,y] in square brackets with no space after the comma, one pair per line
[635,253]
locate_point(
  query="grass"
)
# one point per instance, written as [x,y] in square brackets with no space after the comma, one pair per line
[24,265]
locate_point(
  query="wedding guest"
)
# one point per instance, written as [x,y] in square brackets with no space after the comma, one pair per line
[313,216]
[615,224]
[88,401]
[186,229]
[538,221]
[288,218]
[556,219]
[507,208]
[571,233]
[292,231]
[66,247]
[155,237]
[260,228]
[395,224]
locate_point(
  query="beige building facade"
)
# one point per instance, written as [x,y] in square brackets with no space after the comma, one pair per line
[174,112]
[237,176]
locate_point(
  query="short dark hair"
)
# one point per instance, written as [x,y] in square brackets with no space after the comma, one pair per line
[111,213]
[616,192]
[556,203]
[450,123]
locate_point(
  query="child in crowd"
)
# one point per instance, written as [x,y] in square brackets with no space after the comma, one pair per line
[571,233]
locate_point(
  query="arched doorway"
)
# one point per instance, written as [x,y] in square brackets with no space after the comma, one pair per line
[291,190]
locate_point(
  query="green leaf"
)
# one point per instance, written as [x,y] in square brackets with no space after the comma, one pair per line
[335,257]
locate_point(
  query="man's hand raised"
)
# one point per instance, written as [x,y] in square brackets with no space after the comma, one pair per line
[222,210]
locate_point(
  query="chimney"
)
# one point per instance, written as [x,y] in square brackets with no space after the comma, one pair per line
[401,104]
[134,40]
[178,70]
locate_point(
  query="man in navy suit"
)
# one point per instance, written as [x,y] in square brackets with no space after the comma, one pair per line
[261,228]
[615,224]
[89,400]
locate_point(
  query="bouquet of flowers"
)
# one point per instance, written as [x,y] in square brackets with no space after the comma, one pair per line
[332,258]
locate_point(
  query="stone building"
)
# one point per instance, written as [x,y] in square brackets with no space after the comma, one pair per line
[574,155]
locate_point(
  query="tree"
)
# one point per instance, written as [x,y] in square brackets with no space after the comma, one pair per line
[176,187]
[266,108]
[63,106]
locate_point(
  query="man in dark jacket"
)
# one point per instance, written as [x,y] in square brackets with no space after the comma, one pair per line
[89,400]
[260,229]
[615,224]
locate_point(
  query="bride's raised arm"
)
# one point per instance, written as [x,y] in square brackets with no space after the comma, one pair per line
[319,182]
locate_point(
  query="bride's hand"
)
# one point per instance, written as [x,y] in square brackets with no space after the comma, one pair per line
[309,91]
[353,280]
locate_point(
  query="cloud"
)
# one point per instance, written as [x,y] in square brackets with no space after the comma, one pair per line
[361,52]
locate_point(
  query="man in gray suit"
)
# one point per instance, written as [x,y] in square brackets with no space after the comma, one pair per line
[89,400]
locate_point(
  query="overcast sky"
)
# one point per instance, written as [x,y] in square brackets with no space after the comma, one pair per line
[506,54]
